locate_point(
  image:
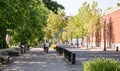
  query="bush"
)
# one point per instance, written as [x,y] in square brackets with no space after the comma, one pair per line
[101,64]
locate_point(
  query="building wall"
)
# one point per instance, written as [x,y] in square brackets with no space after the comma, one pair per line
[115,20]
[112,29]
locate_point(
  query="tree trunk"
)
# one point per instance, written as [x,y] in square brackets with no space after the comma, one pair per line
[82,42]
[3,43]
[88,41]
[92,42]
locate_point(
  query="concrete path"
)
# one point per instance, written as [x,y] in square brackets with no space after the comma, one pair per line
[37,60]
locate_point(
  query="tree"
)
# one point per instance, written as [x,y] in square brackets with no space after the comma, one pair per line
[118,4]
[55,23]
[86,21]
[25,19]
[53,5]
[31,30]
[6,18]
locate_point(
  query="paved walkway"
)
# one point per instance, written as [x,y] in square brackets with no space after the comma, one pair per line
[37,60]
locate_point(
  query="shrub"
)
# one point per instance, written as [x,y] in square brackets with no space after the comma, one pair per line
[101,64]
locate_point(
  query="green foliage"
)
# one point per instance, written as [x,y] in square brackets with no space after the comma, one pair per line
[35,19]
[101,64]
[55,23]
[86,20]
[69,28]
[25,19]
[52,5]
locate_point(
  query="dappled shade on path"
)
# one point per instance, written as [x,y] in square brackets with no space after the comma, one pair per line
[36,60]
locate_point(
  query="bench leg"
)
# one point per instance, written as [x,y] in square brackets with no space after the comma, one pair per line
[3,61]
[8,59]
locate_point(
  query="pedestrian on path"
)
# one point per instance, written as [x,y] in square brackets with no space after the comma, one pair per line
[46,46]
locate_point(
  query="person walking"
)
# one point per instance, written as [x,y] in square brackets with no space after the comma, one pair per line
[46,46]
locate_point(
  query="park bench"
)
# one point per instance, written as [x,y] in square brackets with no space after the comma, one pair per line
[4,56]
[16,51]
[13,53]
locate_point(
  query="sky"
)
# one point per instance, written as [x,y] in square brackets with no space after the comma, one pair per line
[72,6]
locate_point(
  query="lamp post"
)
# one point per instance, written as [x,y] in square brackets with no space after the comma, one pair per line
[71,39]
[61,31]
[66,38]
[77,41]
[105,35]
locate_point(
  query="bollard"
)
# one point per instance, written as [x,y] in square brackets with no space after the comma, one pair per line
[117,49]
[22,51]
[73,58]
[65,53]
[69,55]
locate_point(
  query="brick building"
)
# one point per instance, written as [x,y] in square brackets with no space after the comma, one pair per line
[113,27]
[109,32]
